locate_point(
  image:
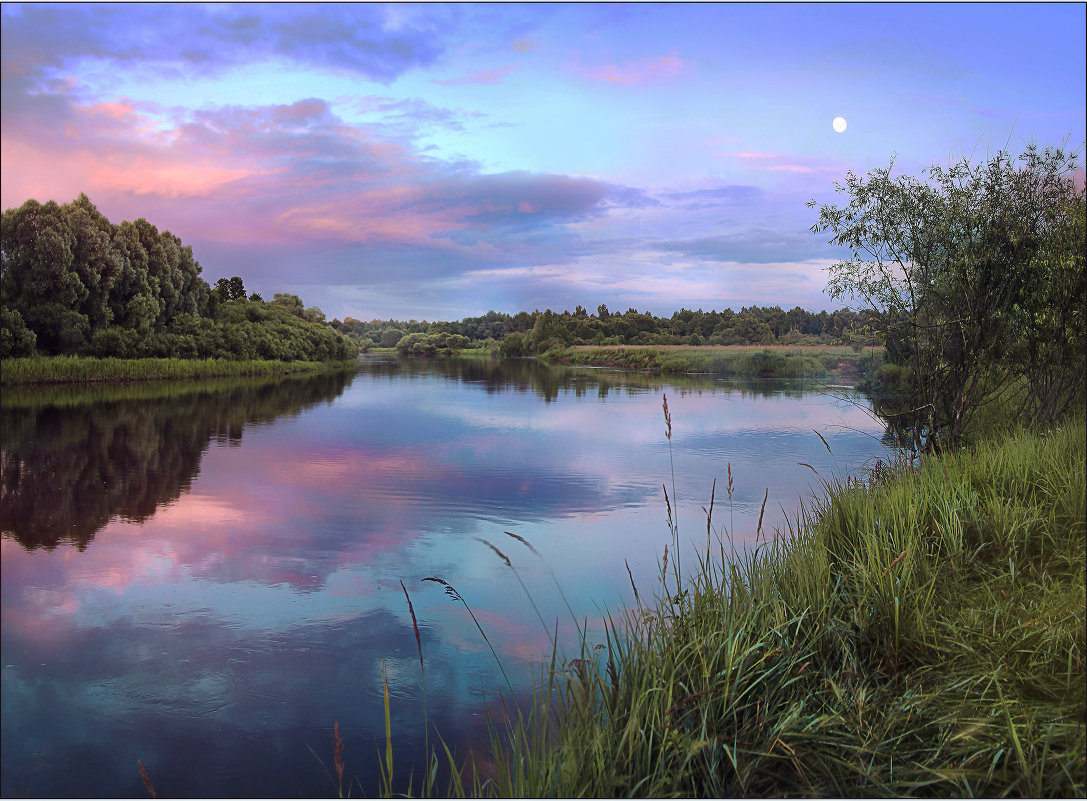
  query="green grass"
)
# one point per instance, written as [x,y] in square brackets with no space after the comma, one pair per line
[919,633]
[84,369]
[752,361]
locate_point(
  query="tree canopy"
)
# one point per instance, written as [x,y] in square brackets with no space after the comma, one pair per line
[976,272]
[72,282]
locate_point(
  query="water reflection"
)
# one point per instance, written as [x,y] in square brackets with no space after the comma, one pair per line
[72,458]
[176,592]
[547,382]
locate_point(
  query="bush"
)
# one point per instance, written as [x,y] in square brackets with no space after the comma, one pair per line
[15,338]
[513,345]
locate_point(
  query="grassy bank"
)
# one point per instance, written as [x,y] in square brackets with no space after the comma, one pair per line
[86,370]
[919,633]
[730,360]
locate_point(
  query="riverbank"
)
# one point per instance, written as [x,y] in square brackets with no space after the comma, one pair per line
[840,363]
[918,632]
[88,370]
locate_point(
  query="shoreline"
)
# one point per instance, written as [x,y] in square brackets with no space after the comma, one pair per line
[840,363]
[89,370]
[909,633]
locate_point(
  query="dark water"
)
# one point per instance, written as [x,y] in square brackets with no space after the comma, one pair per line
[206,577]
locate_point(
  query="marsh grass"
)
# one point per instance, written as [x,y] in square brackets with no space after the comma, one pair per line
[733,360]
[87,370]
[918,634]
[918,631]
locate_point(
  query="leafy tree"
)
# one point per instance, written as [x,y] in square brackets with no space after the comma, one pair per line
[292,303]
[132,299]
[390,337]
[15,338]
[237,288]
[513,345]
[965,268]
[36,243]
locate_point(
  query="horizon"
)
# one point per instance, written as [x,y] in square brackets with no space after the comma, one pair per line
[435,162]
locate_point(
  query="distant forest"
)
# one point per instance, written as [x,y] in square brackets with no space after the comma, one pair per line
[73,283]
[527,333]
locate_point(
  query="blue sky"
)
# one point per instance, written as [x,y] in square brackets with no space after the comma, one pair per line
[436,161]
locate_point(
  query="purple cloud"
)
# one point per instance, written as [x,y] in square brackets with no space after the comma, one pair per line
[377,41]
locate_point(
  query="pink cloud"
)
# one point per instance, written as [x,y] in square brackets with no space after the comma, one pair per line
[788,162]
[479,76]
[275,174]
[637,72]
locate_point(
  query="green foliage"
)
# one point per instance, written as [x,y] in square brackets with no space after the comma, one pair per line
[73,283]
[91,370]
[513,346]
[539,332]
[15,338]
[977,275]
[738,361]
[419,344]
[918,632]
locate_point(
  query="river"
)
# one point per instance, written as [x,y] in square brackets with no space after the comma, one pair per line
[206,577]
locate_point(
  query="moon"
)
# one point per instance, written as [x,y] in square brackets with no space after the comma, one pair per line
[839,124]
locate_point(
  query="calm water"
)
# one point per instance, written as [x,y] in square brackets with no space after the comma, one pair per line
[206,578]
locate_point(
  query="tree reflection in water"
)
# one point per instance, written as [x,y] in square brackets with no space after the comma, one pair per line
[73,458]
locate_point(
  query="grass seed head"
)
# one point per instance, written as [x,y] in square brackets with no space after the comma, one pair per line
[146,779]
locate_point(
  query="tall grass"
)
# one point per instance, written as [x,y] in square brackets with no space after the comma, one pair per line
[919,632]
[85,369]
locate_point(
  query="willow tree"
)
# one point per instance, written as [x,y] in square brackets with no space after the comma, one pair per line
[976,272]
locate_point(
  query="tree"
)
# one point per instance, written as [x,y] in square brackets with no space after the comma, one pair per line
[963,268]
[237,288]
[15,338]
[292,303]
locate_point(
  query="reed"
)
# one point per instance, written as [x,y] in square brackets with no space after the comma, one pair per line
[554,580]
[146,779]
[917,630]
[451,591]
[920,632]
[88,370]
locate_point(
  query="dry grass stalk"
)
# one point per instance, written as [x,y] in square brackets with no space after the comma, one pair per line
[337,753]
[758,528]
[146,779]
[522,540]
[501,555]
[895,562]
[632,585]
[415,625]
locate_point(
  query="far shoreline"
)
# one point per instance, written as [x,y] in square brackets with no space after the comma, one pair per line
[44,370]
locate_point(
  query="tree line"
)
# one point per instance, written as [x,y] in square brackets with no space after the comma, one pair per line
[74,283]
[528,333]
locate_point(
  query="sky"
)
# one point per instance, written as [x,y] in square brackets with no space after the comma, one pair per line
[435,161]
